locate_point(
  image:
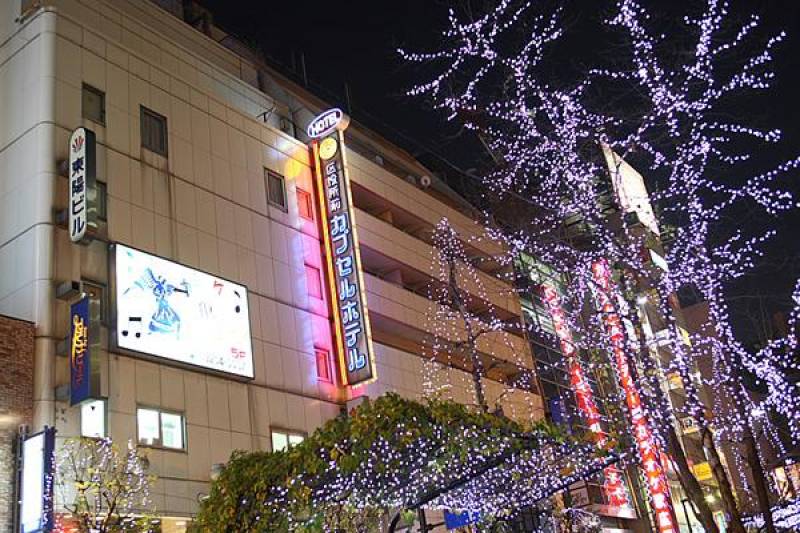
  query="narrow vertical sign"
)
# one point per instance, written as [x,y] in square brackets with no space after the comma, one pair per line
[649,452]
[345,279]
[79,355]
[82,176]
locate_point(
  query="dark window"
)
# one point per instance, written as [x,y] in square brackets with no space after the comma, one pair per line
[304,205]
[93,104]
[276,189]
[324,365]
[313,281]
[154,131]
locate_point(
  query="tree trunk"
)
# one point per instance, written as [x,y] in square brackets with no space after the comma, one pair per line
[759,480]
[690,483]
[477,364]
[728,499]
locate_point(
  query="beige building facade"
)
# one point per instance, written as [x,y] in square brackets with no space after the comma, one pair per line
[202,160]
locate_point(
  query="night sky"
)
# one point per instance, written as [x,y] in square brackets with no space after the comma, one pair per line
[354,42]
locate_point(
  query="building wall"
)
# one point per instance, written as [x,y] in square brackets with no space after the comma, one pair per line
[204,205]
[16,403]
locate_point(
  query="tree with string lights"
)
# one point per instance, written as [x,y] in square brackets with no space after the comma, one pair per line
[102,488]
[495,76]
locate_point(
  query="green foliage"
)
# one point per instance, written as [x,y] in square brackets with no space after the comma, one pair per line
[291,490]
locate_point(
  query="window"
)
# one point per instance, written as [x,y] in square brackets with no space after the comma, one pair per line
[160,428]
[283,440]
[153,131]
[93,419]
[304,205]
[313,282]
[98,303]
[93,104]
[100,203]
[323,365]
[276,190]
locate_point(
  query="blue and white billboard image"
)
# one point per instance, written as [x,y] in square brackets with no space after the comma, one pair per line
[177,313]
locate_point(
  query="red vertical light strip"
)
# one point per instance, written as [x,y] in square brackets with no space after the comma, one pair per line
[615,491]
[649,454]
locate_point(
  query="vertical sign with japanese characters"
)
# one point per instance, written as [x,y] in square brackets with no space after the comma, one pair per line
[81,182]
[80,386]
[345,280]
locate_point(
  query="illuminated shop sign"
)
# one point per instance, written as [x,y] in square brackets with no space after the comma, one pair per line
[613,486]
[80,388]
[327,122]
[36,490]
[649,453]
[351,326]
[82,176]
[180,314]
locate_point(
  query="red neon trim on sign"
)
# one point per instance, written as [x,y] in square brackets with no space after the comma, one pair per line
[649,454]
[615,491]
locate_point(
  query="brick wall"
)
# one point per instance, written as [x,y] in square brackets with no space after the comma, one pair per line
[16,402]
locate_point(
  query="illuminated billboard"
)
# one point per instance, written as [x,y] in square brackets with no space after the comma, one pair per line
[180,314]
[630,189]
[351,327]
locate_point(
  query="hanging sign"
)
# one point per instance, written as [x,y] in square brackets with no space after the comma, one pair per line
[351,325]
[79,354]
[82,176]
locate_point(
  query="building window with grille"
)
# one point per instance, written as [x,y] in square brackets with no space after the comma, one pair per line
[283,439]
[324,372]
[161,429]
[93,104]
[304,204]
[276,189]
[153,131]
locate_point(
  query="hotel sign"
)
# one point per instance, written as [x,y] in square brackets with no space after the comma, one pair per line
[82,176]
[327,122]
[352,335]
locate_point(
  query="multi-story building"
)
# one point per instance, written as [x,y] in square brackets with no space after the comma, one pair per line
[203,170]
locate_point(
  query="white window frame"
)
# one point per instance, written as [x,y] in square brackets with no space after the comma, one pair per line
[159,441]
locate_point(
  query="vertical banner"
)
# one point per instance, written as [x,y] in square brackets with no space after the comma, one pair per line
[351,325]
[79,354]
[649,453]
[82,177]
[36,487]
[613,486]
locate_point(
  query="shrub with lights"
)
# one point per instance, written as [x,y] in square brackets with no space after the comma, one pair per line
[394,454]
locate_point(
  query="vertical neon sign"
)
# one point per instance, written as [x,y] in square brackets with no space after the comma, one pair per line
[615,491]
[649,453]
[352,332]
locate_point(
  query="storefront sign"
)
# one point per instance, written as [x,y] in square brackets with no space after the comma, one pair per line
[327,122]
[351,325]
[702,471]
[613,485]
[36,490]
[180,314]
[82,176]
[649,453]
[79,353]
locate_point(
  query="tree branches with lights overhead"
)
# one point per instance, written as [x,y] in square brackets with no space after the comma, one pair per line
[560,142]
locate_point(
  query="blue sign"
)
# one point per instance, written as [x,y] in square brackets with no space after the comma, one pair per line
[79,356]
[455,520]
